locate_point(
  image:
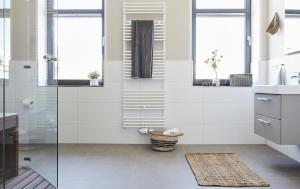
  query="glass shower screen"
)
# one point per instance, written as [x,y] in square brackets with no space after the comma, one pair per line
[28,120]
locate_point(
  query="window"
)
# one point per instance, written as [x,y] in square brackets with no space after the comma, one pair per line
[76,27]
[4,38]
[292,4]
[225,26]
[292,25]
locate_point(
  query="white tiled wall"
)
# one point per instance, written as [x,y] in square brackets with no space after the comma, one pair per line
[206,115]
[93,115]
[36,124]
[291,64]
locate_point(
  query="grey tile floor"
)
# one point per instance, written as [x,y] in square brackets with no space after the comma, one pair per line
[139,167]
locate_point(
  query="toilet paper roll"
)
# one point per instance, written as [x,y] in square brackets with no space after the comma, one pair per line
[28,103]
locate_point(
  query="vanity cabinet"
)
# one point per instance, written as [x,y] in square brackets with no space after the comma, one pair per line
[9,135]
[277,117]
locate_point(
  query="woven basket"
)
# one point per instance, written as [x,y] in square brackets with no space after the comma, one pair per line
[163,143]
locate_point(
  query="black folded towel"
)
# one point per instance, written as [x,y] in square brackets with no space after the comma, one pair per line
[142,48]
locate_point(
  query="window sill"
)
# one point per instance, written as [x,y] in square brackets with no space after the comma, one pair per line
[222,86]
[208,82]
[225,83]
[80,86]
[73,83]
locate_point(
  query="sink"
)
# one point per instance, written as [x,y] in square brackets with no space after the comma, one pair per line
[277,89]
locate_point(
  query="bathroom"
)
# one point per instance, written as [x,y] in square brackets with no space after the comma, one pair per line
[74,116]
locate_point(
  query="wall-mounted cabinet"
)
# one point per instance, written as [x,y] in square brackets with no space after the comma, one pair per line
[277,117]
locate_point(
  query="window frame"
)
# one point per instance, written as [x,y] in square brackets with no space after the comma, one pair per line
[292,12]
[51,15]
[248,37]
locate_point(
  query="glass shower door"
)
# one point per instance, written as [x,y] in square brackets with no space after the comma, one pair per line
[8,147]
[29,102]
[1,94]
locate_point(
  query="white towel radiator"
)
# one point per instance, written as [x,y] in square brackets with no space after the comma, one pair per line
[144,100]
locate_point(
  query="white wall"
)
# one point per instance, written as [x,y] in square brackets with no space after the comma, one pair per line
[178,27]
[276,58]
[206,115]
[259,41]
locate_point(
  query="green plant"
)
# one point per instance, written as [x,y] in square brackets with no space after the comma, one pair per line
[214,61]
[94,75]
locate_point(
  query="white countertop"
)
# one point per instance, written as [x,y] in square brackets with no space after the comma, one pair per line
[277,89]
[8,114]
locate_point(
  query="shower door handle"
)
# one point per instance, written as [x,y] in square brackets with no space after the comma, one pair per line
[50,58]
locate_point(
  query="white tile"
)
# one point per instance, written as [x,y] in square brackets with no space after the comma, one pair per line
[273,69]
[10,92]
[67,94]
[67,112]
[111,92]
[67,133]
[193,133]
[231,134]
[10,107]
[21,110]
[184,92]
[228,94]
[104,132]
[95,112]
[26,90]
[18,73]
[224,113]
[185,113]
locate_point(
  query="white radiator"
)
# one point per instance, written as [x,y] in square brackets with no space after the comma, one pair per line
[144,100]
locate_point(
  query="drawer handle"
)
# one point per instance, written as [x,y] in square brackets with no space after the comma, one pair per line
[265,122]
[263,99]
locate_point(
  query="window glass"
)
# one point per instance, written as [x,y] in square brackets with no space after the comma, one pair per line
[4,47]
[79,46]
[78,4]
[220,4]
[226,33]
[292,30]
[4,4]
[292,4]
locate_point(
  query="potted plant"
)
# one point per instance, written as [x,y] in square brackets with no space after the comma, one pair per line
[214,62]
[93,76]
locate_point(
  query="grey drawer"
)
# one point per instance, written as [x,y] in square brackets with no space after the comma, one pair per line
[268,105]
[268,128]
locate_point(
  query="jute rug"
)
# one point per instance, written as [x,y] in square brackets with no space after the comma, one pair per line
[220,169]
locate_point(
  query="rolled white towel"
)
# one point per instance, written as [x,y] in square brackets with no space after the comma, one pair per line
[145,130]
[171,131]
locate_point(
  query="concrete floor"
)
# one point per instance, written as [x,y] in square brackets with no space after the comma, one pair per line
[139,167]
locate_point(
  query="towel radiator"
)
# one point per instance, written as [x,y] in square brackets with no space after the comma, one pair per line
[144,100]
